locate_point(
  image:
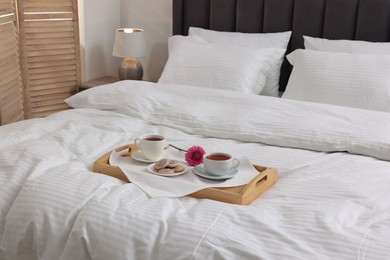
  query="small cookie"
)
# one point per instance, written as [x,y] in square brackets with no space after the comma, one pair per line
[172,163]
[161,164]
[165,171]
[178,168]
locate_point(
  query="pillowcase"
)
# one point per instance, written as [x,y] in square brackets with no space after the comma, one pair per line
[347,46]
[353,80]
[252,41]
[216,66]
[248,40]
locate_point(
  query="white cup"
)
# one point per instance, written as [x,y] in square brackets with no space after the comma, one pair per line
[219,164]
[152,147]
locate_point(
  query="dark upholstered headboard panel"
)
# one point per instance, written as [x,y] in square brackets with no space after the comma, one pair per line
[367,20]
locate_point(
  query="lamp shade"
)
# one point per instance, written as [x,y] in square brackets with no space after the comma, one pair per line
[129,42]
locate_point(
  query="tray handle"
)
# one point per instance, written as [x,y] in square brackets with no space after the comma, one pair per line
[261,182]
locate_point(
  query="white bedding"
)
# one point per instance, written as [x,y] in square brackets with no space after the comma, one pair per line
[327,204]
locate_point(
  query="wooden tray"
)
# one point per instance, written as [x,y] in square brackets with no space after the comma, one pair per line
[242,195]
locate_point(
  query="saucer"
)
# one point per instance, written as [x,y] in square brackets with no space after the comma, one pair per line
[201,172]
[154,171]
[138,156]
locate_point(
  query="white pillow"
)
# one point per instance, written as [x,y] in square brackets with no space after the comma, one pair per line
[216,66]
[358,47]
[353,80]
[253,41]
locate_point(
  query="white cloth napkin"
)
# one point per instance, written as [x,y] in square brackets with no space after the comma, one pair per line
[159,186]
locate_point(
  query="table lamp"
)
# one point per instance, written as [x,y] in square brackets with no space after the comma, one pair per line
[130,44]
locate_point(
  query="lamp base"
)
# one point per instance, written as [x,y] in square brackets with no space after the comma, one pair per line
[130,68]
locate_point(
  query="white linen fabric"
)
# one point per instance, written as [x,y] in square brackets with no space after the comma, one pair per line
[252,41]
[160,186]
[248,40]
[327,205]
[202,64]
[299,124]
[347,46]
[353,80]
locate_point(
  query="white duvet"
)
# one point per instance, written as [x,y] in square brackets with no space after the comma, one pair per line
[331,200]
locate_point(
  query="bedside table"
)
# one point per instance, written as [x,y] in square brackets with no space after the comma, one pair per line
[96,82]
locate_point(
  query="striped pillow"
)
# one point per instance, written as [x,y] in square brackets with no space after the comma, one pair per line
[353,80]
[252,41]
[196,63]
[347,46]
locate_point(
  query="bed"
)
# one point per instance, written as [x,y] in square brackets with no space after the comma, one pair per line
[328,135]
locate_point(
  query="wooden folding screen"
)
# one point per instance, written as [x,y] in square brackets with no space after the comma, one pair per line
[11,103]
[50,54]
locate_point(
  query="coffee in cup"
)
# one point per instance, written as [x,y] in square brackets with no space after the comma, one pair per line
[219,164]
[152,147]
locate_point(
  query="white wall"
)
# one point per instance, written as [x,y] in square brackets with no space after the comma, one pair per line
[100,18]
[155,17]
[98,21]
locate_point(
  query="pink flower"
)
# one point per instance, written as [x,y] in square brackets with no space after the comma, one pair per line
[194,155]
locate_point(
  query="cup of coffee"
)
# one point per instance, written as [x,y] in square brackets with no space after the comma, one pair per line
[152,147]
[219,164]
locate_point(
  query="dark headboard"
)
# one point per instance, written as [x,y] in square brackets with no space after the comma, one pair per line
[367,20]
